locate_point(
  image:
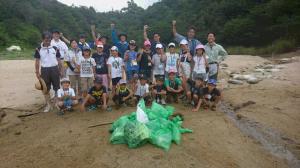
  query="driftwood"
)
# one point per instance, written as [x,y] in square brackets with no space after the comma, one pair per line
[101,124]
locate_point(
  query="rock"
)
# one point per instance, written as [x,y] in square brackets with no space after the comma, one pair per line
[234,81]
[227,72]
[272,70]
[224,65]
[259,70]
[239,116]
[284,60]
[242,77]
[18,133]
[13,48]
[268,66]
[253,80]
[279,67]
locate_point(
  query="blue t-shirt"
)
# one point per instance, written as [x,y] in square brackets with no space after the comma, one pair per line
[132,64]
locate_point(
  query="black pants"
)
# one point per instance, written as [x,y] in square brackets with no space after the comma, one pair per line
[51,77]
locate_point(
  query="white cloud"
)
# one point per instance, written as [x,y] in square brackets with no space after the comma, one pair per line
[107,5]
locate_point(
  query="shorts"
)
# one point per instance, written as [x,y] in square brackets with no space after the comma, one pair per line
[67,103]
[104,80]
[146,73]
[75,81]
[130,74]
[115,81]
[213,71]
[51,77]
[199,75]
[185,70]
[86,83]
[159,76]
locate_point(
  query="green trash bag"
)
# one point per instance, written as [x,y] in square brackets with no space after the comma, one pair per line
[117,136]
[176,135]
[136,134]
[119,123]
[162,138]
[158,111]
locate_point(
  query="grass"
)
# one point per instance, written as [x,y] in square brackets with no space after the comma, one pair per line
[24,54]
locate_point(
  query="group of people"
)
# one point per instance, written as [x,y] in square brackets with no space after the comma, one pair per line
[156,72]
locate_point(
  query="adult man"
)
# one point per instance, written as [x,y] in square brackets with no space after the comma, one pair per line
[48,58]
[62,47]
[119,40]
[216,53]
[156,40]
[192,41]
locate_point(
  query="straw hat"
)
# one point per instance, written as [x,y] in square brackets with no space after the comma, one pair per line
[41,85]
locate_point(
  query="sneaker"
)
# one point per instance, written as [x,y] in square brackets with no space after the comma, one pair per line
[92,107]
[213,108]
[109,109]
[158,100]
[193,103]
[163,102]
[47,108]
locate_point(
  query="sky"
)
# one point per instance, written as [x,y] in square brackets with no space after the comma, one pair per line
[107,5]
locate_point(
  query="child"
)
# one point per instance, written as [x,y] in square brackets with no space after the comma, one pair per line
[211,94]
[197,94]
[174,87]
[116,68]
[131,61]
[72,58]
[144,60]
[172,59]
[87,66]
[142,90]
[123,94]
[200,63]
[97,95]
[160,91]
[185,64]
[66,97]
[158,62]
[101,64]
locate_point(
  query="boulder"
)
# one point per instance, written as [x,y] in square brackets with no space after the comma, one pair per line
[234,81]
[253,80]
[13,48]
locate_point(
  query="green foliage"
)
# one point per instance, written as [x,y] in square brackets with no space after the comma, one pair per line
[244,23]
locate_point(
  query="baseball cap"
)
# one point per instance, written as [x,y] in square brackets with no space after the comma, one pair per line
[100,45]
[172,71]
[122,81]
[55,31]
[200,46]
[159,46]
[132,42]
[63,80]
[171,45]
[212,81]
[114,48]
[86,48]
[98,80]
[184,42]
[142,77]
[147,43]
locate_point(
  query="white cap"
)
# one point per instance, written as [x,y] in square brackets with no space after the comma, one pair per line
[100,46]
[184,42]
[159,46]
[114,48]
[171,44]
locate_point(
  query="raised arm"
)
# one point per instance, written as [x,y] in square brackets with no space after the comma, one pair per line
[145,33]
[114,35]
[64,38]
[93,30]
[177,36]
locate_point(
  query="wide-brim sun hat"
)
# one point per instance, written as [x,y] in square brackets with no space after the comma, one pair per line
[41,85]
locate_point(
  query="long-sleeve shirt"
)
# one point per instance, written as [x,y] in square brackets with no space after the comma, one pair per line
[215,53]
[192,42]
[122,46]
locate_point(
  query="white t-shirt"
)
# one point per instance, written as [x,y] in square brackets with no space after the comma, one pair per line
[141,89]
[73,56]
[116,66]
[159,66]
[63,48]
[199,64]
[61,92]
[171,63]
[86,66]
